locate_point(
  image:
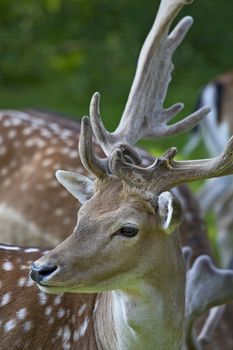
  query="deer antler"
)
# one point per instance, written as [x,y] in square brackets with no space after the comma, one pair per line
[95,165]
[206,287]
[166,173]
[144,115]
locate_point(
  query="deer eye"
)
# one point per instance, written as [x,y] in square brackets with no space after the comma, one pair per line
[129,231]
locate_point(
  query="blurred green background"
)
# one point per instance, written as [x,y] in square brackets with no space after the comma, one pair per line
[56,53]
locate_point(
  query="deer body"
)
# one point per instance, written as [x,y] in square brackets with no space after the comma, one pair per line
[32,147]
[31,319]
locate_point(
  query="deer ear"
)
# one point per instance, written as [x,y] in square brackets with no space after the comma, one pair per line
[78,185]
[169,211]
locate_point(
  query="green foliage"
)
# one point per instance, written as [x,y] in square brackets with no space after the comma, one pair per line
[81,46]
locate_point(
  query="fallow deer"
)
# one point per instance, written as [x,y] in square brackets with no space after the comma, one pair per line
[125,251]
[215,129]
[33,145]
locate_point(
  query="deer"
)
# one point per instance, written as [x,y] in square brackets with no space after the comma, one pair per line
[33,145]
[216,194]
[123,263]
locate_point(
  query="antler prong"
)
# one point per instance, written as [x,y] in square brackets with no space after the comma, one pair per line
[102,135]
[210,325]
[177,35]
[181,126]
[91,162]
[172,111]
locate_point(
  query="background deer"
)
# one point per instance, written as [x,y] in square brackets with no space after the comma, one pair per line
[126,212]
[215,129]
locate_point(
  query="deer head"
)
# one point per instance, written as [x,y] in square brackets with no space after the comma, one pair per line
[125,238]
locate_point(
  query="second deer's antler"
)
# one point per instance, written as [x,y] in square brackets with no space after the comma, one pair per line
[207,287]
[144,115]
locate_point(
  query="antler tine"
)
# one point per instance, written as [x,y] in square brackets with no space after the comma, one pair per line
[144,115]
[93,164]
[210,325]
[104,137]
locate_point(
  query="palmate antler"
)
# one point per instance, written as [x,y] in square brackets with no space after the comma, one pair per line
[206,288]
[144,115]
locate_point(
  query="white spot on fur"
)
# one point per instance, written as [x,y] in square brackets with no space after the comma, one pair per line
[51,320]
[58,299]
[66,333]
[82,329]
[59,332]
[30,143]
[9,325]
[7,266]
[46,162]
[42,298]
[27,131]
[21,314]
[7,123]
[48,310]
[31,250]
[60,313]
[12,134]
[65,150]
[6,247]
[73,154]
[29,282]
[50,151]
[45,133]
[5,299]
[21,282]
[82,309]
[59,212]
[27,326]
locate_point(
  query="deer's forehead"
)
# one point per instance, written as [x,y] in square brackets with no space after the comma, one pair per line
[102,214]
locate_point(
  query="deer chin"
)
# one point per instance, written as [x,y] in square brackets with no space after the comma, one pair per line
[53,289]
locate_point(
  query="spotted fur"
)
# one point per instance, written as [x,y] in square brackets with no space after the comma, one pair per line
[31,319]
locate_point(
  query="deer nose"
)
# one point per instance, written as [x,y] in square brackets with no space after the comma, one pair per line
[38,273]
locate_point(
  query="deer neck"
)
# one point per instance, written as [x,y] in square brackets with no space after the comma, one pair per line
[149,314]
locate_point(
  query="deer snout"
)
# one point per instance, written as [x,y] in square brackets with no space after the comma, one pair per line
[41,272]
